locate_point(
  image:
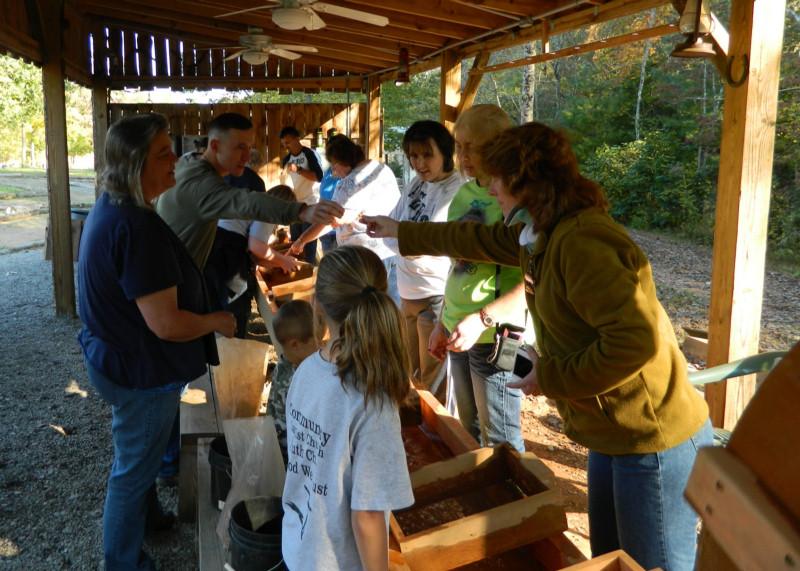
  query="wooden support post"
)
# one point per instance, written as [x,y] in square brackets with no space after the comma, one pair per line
[743,192]
[55,124]
[473,81]
[99,131]
[373,131]
[450,89]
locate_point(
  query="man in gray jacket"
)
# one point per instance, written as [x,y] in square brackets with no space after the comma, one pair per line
[201,197]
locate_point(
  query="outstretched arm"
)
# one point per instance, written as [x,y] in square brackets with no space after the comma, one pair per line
[496,243]
[266,256]
[312,233]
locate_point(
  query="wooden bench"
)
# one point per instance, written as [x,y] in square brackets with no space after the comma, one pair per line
[210,555]
[198,419]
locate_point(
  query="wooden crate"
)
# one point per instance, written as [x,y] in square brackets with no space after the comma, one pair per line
[477,505]
[430,433]
[614,561]
[275,276]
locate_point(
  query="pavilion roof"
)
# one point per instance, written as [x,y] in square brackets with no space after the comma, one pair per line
[182,43]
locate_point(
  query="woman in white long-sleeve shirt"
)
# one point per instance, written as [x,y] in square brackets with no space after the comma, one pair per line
[429,147]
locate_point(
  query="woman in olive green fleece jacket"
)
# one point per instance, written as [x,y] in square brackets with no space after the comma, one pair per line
[607,351]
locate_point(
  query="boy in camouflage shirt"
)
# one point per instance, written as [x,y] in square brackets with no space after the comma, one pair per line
[294,330]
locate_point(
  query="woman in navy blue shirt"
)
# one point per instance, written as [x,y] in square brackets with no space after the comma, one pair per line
[146,326]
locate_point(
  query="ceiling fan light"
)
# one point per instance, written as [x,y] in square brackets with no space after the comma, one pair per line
[290,18]
[255,58]
[694,47]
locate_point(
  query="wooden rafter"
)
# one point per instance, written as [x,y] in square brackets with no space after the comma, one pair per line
[616,41]
[434,10]
[21,44]
[338,83]
[473,81]
[567,23]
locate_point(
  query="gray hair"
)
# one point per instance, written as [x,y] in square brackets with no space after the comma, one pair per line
[127,144]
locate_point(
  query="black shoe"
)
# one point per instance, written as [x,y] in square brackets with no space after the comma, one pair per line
[157,519]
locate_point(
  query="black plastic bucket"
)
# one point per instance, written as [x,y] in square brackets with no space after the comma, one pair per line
[259,549]
[221,467]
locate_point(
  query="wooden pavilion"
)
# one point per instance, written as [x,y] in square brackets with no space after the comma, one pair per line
[105,45]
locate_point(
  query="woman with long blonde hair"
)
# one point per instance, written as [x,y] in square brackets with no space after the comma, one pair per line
[346,468]
[478,296]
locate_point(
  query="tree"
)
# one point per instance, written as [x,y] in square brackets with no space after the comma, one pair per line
[22,113]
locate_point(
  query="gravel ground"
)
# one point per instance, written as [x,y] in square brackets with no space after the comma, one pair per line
[55,445]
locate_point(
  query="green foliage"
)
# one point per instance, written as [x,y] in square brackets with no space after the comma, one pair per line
[405,104]
[22,112]
[652,182]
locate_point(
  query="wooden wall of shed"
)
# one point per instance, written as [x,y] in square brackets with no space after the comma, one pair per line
[190,120]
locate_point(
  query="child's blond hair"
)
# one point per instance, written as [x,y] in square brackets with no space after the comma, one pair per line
[370,353]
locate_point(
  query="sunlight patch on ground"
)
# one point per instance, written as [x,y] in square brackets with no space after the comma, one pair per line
[74,389]
[8,548]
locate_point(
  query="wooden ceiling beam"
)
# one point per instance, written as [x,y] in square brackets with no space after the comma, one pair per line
[20,43]
[637,36]
[413,69]
[520,8]
[568,22]
[399,19]
[403,14]
[343,62]
[324,83]
[434,10]
[190,15]
[343,59]
[401,37]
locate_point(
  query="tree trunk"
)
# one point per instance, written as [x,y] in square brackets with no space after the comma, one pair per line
[527,96]
[496,92]
[557,77]
[642,74]
[638,116]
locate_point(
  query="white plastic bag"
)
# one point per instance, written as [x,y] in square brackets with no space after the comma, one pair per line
[258,468]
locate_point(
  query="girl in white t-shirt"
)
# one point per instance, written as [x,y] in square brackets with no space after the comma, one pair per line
[347,468]
[421,280]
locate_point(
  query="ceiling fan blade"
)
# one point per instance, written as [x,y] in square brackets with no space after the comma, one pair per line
[284,53]
[314,21]
[365,17]
[307,49]
[246,10]
[235,55]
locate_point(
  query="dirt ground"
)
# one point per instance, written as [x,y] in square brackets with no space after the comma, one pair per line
[55,444]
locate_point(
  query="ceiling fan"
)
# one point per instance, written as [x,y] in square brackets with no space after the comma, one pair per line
[297,14]
[255,49]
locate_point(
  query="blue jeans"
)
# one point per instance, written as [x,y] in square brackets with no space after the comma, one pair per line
[310,249]
[488,409]
[141,424]
[636,503]
[328,242]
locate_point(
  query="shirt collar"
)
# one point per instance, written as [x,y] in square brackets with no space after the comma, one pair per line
[520,215]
